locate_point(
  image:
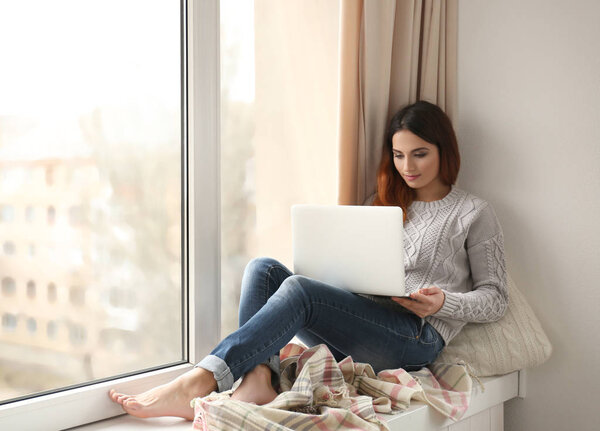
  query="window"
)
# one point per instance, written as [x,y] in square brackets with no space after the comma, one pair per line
[9,247]
[107,106]
[31,289]
[52,292]
[9,288]
[110,236]
[9,322]
[7,213]
[31,325]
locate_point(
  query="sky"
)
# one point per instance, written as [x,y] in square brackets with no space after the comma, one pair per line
[237,29]
[62,59]
[71,55]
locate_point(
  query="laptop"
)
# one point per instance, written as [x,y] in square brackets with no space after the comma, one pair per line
[356,248]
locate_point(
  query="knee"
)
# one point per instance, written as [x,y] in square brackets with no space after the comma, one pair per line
[294,286]
[260,265]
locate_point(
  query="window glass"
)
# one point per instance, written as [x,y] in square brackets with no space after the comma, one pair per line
[9,247]
[51,292]
[9,287]
[31,325]
[31,289]
[90,190]
[51,330]
[7,213]
[278,128]
[9,322]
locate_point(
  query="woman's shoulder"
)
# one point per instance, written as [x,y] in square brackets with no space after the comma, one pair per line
[471,203]
[480,217]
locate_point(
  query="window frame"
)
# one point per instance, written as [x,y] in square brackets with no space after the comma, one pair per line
[200,239]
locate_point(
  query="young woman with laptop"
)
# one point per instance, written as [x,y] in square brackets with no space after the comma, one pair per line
[454,273]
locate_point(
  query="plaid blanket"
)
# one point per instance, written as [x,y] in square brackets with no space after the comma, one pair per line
[318,393]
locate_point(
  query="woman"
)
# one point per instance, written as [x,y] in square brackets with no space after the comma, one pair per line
[455,273]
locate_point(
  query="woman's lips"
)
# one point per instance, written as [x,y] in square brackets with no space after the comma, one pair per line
[412,178]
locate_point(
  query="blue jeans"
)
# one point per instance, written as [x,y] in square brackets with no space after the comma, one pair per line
[276,305]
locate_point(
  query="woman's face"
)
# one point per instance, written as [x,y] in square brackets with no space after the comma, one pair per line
[418,162]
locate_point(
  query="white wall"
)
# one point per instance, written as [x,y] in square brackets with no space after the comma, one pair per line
[529,129]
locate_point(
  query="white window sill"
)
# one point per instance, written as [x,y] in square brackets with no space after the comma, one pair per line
[418,416]
[129,423]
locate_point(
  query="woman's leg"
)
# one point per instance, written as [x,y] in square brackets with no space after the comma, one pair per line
[262,277]
[352,324]
[171,399]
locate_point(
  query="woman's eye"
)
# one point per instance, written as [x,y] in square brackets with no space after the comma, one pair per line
[400,156]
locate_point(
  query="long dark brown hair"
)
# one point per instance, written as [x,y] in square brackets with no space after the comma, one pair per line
[431,124]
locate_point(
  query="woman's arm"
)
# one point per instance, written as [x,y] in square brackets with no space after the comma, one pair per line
[488,299]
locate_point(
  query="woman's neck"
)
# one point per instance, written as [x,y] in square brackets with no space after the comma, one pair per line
[433,193]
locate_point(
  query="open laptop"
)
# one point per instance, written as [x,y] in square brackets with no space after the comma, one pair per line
[357,248]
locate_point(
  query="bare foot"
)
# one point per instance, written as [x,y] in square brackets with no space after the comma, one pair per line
[256,387]
[171,399]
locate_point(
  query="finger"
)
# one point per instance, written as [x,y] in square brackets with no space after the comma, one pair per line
[419,297]
[406,303]
[430,290]
[415,307]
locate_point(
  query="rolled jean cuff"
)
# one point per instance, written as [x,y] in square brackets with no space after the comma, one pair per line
[220,371]
[223,374]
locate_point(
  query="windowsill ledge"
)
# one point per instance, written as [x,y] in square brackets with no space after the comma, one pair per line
[418,416]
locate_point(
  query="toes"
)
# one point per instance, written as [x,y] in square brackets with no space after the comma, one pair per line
[131,404]
[118,397]
[122,398]
[114,395]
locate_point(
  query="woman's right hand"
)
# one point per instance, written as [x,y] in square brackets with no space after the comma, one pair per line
[424,302]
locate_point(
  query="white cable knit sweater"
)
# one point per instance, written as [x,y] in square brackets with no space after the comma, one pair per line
[456,243]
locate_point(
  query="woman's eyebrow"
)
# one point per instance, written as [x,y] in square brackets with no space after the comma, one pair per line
[416,149]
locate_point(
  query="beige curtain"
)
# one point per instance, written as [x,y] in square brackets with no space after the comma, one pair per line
[391,53]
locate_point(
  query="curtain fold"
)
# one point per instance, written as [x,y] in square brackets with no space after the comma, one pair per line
[349,106]
[392,53]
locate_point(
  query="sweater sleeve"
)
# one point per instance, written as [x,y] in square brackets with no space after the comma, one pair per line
[488,299]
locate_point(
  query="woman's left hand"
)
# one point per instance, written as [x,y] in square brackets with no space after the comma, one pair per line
[424,302]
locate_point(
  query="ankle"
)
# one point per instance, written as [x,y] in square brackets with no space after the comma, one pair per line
[262,371]
[198,382]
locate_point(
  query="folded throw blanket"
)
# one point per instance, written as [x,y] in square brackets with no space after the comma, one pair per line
[318,393]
